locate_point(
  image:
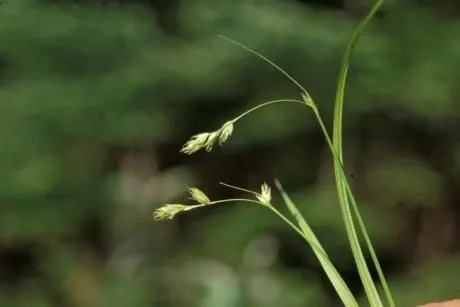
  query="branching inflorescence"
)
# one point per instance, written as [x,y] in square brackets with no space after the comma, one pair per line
[349,208]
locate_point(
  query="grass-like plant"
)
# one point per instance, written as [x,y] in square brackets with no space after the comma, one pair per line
[351,216]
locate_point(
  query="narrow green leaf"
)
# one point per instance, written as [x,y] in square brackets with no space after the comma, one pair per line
[307,233]
[306,229]
[356,212]
[344,199]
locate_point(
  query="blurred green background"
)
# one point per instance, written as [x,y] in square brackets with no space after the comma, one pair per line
[97,97]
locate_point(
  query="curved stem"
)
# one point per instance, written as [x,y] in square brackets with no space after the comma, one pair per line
[340,92]
[266,60]
[315,246]
[237,188]
[307,234]
[343,189]
[265,104]
[231,200]
[347,187]
[192,207]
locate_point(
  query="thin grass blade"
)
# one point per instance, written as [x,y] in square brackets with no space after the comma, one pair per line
[337,281]
[368,283]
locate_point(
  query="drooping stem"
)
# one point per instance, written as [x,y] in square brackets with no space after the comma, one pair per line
[343,189]
[231,200]
[348,190]
[308,235]
[315,247]
[266,60]
[237,188]
[264,105]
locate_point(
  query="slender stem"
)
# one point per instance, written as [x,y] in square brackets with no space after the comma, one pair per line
[343,74]
[266,104]
[192,207]
[342,290]
[348,219]
[237,188]
[231,200]
[357,214]
[342,190]
[287,221]
[337,281]
[266,60]
[347,186]
[317,248]
[374,257]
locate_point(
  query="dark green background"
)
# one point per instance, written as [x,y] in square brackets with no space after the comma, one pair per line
[97,97]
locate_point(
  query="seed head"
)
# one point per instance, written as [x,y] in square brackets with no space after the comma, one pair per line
[207,140]
[265,196]
[195,143]
[198,196]
[168,211]
[212,139]
[226,132]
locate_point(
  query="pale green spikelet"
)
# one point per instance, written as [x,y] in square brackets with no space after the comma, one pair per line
[168,211]
[265,195]
[207,140]
[226,132]
[212,139]
[307,99]
[198,196]
[196,142]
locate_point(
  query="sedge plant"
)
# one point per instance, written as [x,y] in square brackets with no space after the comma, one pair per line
[353,221]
